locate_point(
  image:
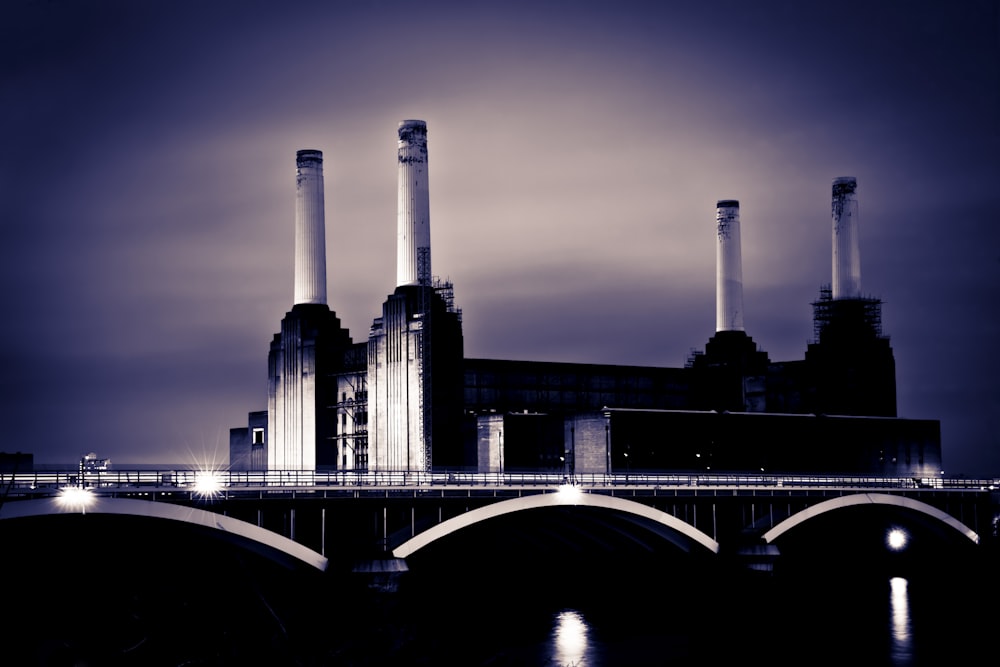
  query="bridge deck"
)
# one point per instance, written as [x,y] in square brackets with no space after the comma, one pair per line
[372,513]
[196,482]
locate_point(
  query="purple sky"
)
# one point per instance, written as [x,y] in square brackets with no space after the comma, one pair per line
[576,153]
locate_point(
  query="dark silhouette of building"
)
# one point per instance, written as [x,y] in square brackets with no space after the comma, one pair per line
[16,462]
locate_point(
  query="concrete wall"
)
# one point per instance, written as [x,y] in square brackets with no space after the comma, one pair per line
[590,442]
[490,443]
[395,393]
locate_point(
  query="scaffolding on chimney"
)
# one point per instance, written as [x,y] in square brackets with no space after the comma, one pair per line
[446,290]
[860,312]
[426,306]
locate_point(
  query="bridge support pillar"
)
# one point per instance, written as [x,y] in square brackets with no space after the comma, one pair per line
[758,557]
[381,574]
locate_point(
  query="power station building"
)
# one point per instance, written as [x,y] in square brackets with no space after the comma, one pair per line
[407,399]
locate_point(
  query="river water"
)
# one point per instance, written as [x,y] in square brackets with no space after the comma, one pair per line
[101,592]
[819,620]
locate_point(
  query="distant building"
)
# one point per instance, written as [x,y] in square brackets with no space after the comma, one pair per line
[16,462]
[408,400]
[92,463]
[247,450]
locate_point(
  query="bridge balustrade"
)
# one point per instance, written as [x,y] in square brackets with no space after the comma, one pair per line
[43,482]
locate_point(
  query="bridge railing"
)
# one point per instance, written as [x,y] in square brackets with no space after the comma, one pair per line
[42,482]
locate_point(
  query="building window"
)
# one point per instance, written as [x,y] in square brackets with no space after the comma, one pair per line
[258,436]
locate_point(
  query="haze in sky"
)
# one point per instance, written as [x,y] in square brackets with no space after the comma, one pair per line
[576,154]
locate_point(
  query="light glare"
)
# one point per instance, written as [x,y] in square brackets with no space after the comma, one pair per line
[568,492]
[896,539]
[207,483]
[75,497]
[902,635]
[570,638]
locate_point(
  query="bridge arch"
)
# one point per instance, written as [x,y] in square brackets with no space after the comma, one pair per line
[234,529]
[866,499]
[563,497]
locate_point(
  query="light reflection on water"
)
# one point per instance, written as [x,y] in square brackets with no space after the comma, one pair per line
[571,642]
[570,639]
[901,633]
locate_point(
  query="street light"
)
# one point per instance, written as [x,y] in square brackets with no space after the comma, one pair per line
[79,496]
[896,539]
[207,483]
[75,497]
[569,493]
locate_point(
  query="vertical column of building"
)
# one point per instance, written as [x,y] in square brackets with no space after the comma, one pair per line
[275,403]
[398,349]
[295,409]
[413,245]
[414,268]
[310,228]
[729,268]
[846,239]
[310,288]
[414,396]
[293,392]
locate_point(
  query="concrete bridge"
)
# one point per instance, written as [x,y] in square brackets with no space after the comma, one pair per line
[391,521]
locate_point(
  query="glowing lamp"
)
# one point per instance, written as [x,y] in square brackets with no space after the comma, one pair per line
[896,539]
[568,493]
[75,498]
[207,483]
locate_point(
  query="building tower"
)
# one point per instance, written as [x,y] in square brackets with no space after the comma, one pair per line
[311,345]
[413,225]
[846,240]
[729,267]
[415,349]
[850,363]
[310,229]
[731,374]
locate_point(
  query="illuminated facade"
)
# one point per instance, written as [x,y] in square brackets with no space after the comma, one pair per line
[311,343]
[408,400]
[415,348]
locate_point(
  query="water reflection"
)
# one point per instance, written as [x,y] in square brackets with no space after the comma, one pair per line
[569,639]
[899,609]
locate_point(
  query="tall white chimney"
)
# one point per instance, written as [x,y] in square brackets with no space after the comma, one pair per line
[413,243]
[728,268]
[846,239]
[310,228]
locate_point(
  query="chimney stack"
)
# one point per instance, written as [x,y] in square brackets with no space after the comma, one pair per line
[846,240]
[728,268]
[310,233]
[413,243]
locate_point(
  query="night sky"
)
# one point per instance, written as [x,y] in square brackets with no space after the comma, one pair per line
[576,154]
